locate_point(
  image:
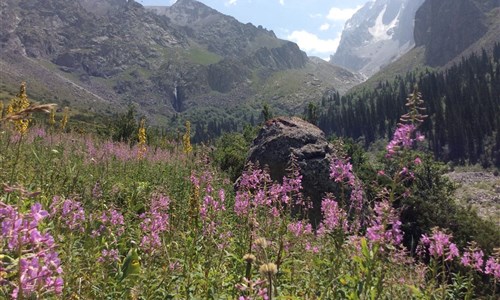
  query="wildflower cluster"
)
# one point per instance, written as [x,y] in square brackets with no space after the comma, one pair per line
[493,267]
[385,226]
[341,172]
[439,245]
[406,133]
[212,205]
[97,153]
[154,222]
[334,217]
[30,254]
[70,212]
[110,224]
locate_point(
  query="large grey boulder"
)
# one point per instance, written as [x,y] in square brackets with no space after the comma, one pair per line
[279,138]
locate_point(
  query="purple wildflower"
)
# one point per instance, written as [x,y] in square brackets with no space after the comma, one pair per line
[299,228]
[110,256]
[334,217]
[39,265]
[155,222]
[71,211]
[341,171]
[385,227]
[439,245]
[111,223]
[473,257]
[492,268]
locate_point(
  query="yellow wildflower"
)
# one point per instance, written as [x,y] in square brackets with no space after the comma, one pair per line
[18,104]
[64,120]
[142,139]
[186,139]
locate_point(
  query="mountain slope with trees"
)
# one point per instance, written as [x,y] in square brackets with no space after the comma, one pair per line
[100,56]
[463,107]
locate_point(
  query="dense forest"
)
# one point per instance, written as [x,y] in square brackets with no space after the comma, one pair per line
[462,104]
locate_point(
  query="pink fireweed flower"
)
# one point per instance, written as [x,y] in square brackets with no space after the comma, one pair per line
[356,197]
[403,139]
[299,228]
[242,203]
[473,257]
[341,171]
[334,217]
[385,226]
[253,179]
[211,205]
[111,223]
[492,268]
[154,223]
[70,211]
[477,257]
[39,266]
[110,256]
[312,249]
[439,245]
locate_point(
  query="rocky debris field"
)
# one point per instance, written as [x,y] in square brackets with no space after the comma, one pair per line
[479,190]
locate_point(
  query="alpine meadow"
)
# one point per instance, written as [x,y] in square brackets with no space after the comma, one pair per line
[172,152]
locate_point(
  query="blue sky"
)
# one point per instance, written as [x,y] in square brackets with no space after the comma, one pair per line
[315,25]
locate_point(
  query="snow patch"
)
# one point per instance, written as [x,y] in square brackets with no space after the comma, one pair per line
[381,31]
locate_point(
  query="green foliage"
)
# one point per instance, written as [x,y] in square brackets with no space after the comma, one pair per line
[125,127]
[463,104]
[266,112]
[311,113]
[205,249]
[430,203]
[231,151]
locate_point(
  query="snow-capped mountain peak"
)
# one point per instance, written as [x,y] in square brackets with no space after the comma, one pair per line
[376,35]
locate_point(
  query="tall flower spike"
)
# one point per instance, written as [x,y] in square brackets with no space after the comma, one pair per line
[65,118]
[17,105]
[406,133]
[52,117]
[415,106]
[186,139]
[141,136]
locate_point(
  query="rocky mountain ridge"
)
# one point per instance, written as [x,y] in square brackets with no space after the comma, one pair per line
[376,35]
[182,59]
[448,30]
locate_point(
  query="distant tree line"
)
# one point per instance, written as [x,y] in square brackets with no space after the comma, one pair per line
[463,107]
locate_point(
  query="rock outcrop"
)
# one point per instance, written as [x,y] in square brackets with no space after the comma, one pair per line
[446,28]
[279,138]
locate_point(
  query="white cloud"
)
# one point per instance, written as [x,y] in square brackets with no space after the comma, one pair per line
[312,44]
[231,2]
[315,16]
[282,2]
[324,27]
[341,14]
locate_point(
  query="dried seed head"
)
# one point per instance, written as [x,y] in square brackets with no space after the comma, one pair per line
[249,258]
[268,269]
[261,242]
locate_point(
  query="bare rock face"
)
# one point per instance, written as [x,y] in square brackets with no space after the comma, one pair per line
[279,138]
